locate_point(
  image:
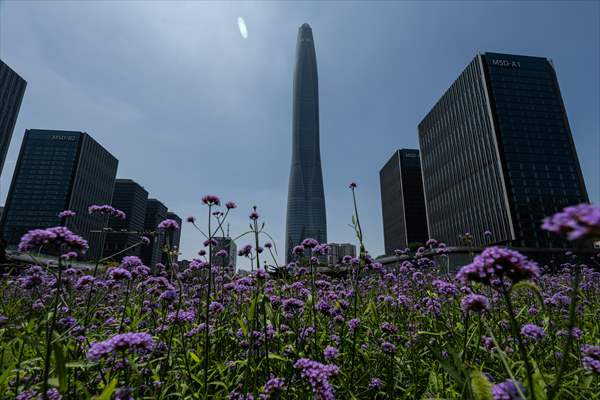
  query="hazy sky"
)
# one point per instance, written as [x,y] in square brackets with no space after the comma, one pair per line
[189,107]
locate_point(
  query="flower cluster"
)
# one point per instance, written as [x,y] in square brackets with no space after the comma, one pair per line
[211,200]
[58,235]
[137,342]
[169,225]
[107,210]
[475,302]
[498,263]
[591,358]
[507,390]
[576,222]
[66,214]
[318,375]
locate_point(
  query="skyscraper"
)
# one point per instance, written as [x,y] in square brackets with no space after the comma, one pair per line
[130,197]
[402,202]
[306,200]
[12,89]
[497,153]
[55,171]
[156,212]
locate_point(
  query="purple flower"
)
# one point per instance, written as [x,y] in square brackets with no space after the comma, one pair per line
[507,390]
[138,342]
[318,375]
[375,383]
[84,281]
[253,215]
[145,240]
[321,249]
[191,219]
[107,209]
[298,250]
[245,251]
[268,245]
[169,225]
[215,307]
[221,253]
[591,358]
[211,200]
[309,243]
[533,332]
[66,214]
[475,302]
[497,263]
[168,295]
[388,327]
[445,288]
[230,205]
[181,316]
[330,353]
[352,185]
[273,385]
[353,324]
[52,236]
[576,222]
[69,255]
[210,242]
[119,274]
[124,393]
[388,348]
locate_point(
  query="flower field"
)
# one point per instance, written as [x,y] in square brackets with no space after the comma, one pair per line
[500,328]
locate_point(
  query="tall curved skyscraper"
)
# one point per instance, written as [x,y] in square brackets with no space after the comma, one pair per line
[306,201]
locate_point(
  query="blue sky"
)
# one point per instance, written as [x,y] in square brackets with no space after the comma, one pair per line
[189,107]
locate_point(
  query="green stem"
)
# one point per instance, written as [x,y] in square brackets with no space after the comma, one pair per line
[49,331]
[517,334]
[572,319]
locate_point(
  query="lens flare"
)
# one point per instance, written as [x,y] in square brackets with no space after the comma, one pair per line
[243,28]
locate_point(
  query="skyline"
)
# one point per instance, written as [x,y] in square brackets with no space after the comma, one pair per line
[108,117]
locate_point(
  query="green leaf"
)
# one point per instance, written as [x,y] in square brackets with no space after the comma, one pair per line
[277,357]
[194,357]
[539,386]
[79,364]
[481,387]
[6,373]
[61,369]
[108,390]
[243,326]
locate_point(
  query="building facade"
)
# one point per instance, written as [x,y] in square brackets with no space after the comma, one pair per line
[12,89]
[55,171]
[498,155]
[338,250]
[156,212]
[402,201]
[129,197]
[306,200]
[227,244]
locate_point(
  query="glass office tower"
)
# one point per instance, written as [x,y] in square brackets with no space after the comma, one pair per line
[498,154]
[306,199]
[12,89]
[56,171]
[402,201]
[129,197]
